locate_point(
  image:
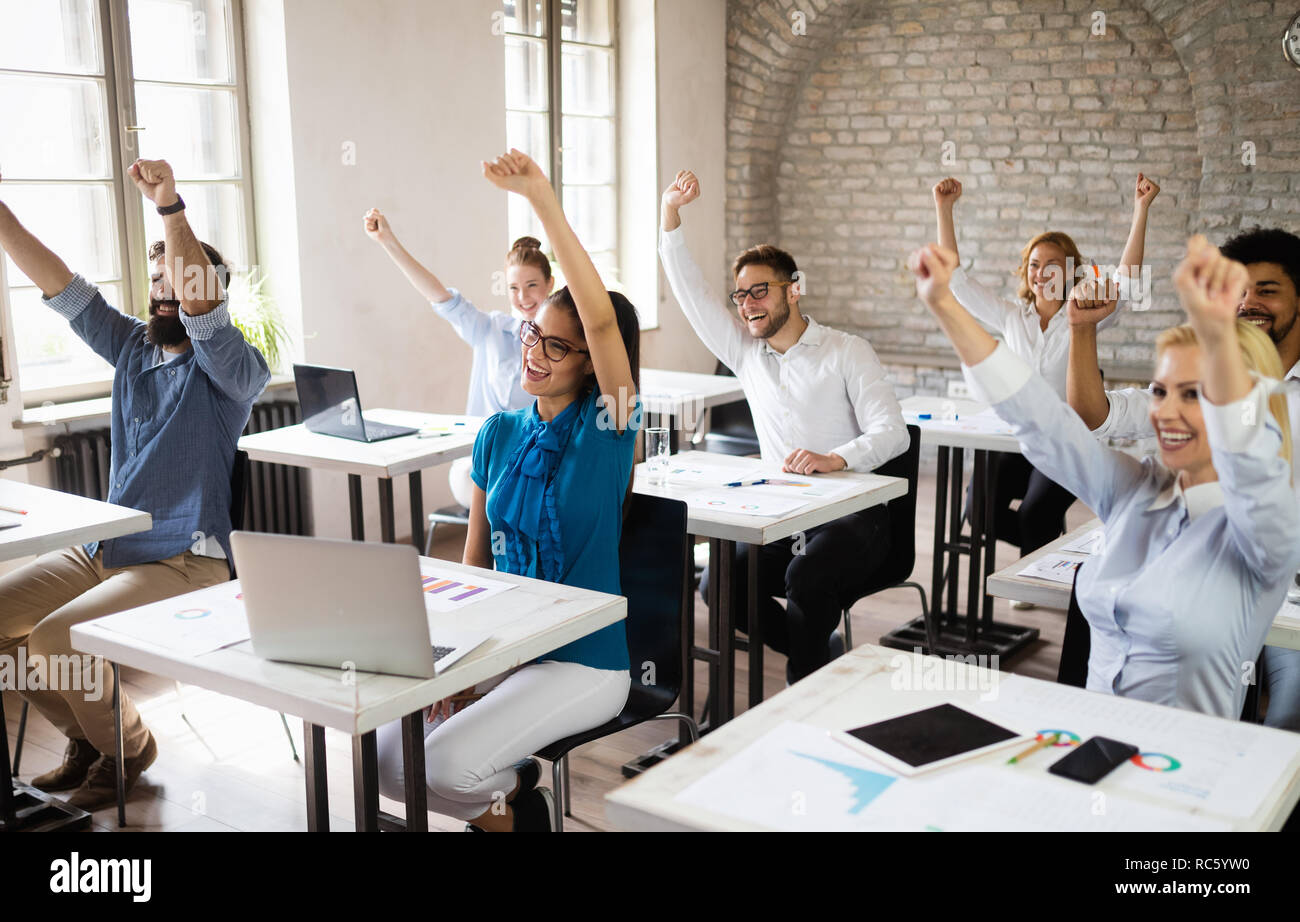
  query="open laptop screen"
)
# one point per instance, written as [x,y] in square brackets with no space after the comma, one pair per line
[328,397]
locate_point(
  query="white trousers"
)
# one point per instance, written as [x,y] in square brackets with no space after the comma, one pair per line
[469,758]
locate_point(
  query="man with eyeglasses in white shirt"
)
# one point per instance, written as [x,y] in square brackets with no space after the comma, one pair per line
[821,403]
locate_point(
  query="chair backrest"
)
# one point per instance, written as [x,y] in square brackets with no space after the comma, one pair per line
[238,496]
[902,513]
[652,564]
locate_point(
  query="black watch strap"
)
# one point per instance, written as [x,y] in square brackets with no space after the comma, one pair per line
[179,205]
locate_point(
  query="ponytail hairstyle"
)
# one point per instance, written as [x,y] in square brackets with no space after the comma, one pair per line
[527,251]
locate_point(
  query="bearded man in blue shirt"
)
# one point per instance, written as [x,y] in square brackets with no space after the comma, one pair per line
[183,386]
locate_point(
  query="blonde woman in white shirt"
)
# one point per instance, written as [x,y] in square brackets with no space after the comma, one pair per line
[1034,328]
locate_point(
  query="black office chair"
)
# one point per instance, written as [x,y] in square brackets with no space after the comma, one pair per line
[894,572]
[652,558]
[1077,645]
[731,426]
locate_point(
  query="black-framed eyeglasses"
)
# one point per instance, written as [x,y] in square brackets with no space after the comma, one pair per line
[757,292]
[556,349]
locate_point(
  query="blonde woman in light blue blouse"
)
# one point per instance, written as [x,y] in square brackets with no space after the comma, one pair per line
[1200,543]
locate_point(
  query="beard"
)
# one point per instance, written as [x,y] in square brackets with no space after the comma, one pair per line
[165,330]
[777,318]
[1276,331]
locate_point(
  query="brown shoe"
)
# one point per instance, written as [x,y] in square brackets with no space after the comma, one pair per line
[100,787]
[77,759]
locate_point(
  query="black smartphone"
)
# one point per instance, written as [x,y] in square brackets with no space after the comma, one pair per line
[1093,760]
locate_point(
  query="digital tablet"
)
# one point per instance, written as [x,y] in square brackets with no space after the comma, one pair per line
[929,739]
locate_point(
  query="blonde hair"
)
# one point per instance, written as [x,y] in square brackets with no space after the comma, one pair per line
[1259,354]
[1057,238]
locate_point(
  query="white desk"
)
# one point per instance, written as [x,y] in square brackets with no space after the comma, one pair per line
[57,520]
[54,521]
[1007,583]
[974,428]
[683,396]
[409,454]
[529,621]
[864,686]
[725,531]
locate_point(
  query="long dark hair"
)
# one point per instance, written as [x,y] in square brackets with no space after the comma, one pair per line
[629,327]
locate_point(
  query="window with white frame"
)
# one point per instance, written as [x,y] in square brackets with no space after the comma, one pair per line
[560,110]
[96,84]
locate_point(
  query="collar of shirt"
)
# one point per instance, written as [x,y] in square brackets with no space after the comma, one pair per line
[813,335]
[1197,500]
[1294,373]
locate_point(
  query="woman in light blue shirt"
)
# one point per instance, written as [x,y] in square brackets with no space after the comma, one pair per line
[1200,544]
[495,377]
[549,486]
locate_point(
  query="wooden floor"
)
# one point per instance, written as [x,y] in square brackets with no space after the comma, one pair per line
[230,766]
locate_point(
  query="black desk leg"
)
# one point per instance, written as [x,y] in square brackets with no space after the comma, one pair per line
[417,801]
[313,763]
[990,533]
[755,631]
[417,510]
[365,781]
[956,474]
[121,755]
[940,538]
[674,438]
[354,506]
[7,812]
[726,694]
[974,576]
[387,534]
[714,702]
[688,638]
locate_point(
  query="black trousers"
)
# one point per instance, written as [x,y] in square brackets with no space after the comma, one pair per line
[837,562]
[1040,518]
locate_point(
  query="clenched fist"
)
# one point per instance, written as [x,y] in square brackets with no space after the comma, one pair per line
[154,178]
[684,190]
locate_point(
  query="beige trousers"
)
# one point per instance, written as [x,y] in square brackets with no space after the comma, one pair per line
[41,601]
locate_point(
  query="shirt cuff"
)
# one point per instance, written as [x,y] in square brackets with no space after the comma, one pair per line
[852,453]
[997,377]
[1232,425]
[443,306]
[73,299]
[1108,424]
[205,326]
[672,239]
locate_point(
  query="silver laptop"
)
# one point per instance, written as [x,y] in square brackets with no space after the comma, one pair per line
[327,602]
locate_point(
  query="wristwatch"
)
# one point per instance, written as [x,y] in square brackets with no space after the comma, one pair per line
[179,205]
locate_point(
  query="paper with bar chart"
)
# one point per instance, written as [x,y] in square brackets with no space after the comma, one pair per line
[449,591]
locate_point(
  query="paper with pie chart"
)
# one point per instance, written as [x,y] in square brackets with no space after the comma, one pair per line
[745,501]
[185,624]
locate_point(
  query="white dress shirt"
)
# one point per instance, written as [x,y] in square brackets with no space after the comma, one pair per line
[1129,415]
[827,393]
[1046,351]
[1182,595]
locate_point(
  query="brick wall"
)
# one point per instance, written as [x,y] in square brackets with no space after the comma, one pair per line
[836,135]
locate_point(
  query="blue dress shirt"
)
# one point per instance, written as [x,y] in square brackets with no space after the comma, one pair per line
[496,374]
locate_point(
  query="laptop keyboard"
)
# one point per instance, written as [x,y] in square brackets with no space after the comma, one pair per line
[440,652]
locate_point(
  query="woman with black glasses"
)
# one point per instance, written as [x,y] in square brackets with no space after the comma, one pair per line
[549,484]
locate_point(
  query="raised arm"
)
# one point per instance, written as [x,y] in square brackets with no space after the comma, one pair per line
[36,261]
[421,279]
[516,172]
[946,192]
[190,273]
[1143,195]
[1083,385]
[1209,286]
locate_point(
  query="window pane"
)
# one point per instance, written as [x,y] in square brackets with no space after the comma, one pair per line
[587,83]
[77,222]
[44,35]
[586,21]
[215,212]
[588,150]
[526,16]
[49,353]
[195,130]
[522,221]
[590,210]
[528,132]
[525,73]
[182,41]
[60,124]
